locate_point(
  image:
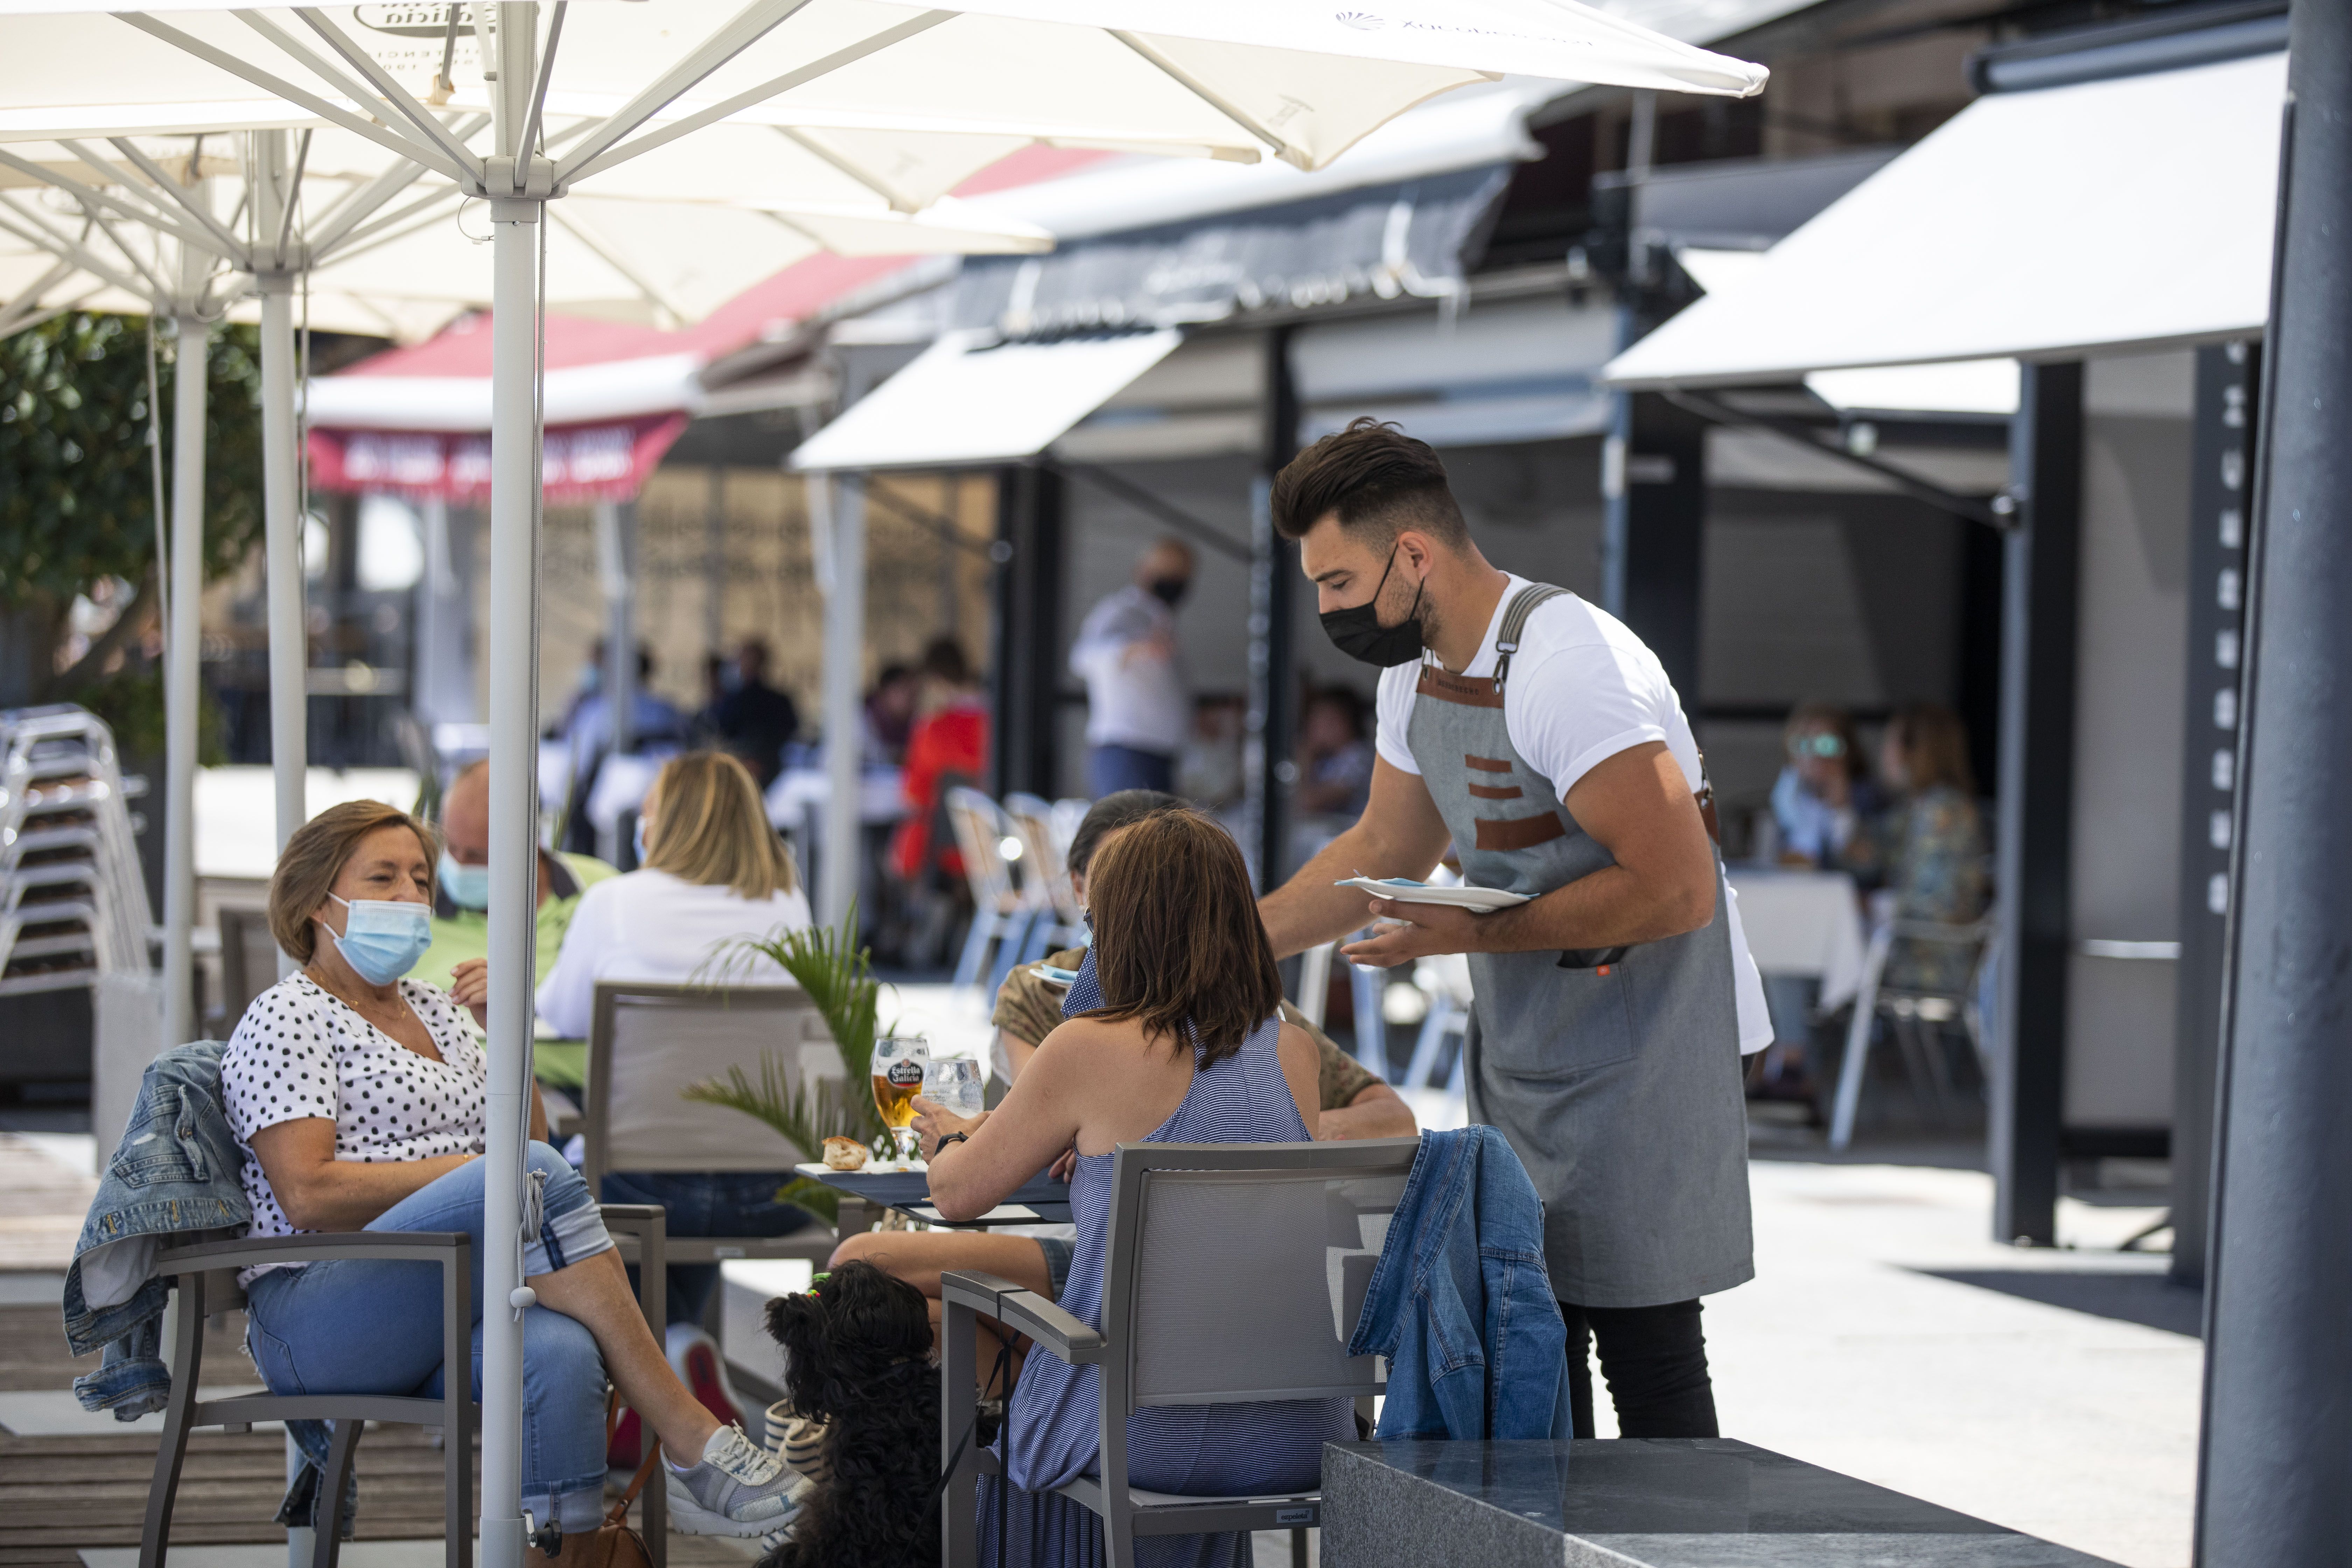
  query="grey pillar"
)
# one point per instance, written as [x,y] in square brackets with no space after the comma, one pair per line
[1025,668]
[615,566]
[841,511]
[2222,446]
[2037,797]
[2275,1484]
[1268,770]
[281,458]
[1653,483]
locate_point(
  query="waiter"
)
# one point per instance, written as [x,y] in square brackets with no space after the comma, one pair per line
[1544,741]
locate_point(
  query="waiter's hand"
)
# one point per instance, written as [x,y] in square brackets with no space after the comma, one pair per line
[1429,930]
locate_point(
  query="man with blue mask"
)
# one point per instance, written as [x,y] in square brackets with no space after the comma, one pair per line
[461,898]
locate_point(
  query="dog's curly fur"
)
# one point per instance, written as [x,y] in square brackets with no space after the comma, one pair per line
[857,1356]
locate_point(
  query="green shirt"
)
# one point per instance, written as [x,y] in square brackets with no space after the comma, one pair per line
[459,934]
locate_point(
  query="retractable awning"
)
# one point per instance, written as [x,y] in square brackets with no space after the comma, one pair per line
[967,400]
[2048,224]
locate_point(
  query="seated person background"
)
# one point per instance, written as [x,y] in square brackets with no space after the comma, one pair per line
[1932,844]
[360,1097]
[1353,1102]
[461,893]
[714,872]
[1824,794]
[1189,1048]
[752,719]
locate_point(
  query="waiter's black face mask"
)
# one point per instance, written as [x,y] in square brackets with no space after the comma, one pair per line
[1358,633]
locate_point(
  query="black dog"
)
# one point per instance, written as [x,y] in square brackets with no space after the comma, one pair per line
[857,1356]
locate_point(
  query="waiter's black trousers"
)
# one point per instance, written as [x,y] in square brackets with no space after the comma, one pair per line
[1654,1359]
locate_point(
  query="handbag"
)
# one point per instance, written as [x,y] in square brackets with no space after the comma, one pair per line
[618,1546]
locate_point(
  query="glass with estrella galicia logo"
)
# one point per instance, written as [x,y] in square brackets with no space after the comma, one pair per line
[899,1064]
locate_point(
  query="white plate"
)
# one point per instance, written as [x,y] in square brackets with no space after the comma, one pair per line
[1477,900]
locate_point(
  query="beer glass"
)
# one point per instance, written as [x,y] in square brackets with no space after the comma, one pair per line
[899,1064]
[954,1083]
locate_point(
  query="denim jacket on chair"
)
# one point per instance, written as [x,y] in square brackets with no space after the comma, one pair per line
[174,1178]
[1461,1301]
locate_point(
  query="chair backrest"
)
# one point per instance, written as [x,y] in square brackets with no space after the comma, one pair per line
[648,1041]
[1045,877]
[980,830]
[1236,1271]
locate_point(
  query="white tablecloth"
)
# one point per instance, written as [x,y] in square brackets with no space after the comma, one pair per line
[881,797]
[1804,922]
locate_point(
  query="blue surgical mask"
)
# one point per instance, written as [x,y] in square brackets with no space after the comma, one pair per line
[468,887]
[382,939]
[637,838]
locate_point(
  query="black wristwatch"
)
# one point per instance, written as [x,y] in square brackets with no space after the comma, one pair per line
[951,1138]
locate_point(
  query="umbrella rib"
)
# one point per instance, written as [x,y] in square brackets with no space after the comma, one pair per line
[569,220]
[91,198]
[391,92]
[1212,98]
[236,252]
[111,173]
[355,209]
[539,88]
[801,139]
[394,225]
[292,195]
[12,323]
[30,299]
[589,161]
[748,27]
[381,134]
[60,245]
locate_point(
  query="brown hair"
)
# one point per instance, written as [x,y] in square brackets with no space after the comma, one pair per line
[1177,942]
[712,830]
[1934,747]
[315,856]
[1378,479]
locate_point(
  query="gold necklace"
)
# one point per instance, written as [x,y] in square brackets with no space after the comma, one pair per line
[366,1008]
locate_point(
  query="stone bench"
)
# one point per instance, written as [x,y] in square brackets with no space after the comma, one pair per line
[1640,1503]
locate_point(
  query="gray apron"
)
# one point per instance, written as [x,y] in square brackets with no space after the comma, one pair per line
[1615,1075]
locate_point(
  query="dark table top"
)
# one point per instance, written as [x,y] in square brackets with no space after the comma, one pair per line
[1041,1200]
[1683,1504]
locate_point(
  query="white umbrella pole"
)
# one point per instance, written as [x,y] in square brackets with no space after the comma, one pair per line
[186,569]
[845,673]
[281,505]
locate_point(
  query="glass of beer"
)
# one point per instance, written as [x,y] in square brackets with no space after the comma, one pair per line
[899,1064]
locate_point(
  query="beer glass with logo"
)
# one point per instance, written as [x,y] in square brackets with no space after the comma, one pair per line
[899,1064]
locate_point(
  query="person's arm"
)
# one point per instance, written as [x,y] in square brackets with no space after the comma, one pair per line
[319,1192]
[1038,1120]
[1017,1051]
[1377,1112]
[1401,834]
[1639,807]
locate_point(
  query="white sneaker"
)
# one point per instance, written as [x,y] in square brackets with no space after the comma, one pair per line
[739,1489]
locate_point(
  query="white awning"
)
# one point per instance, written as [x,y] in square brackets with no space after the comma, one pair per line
[965,402]
[2039,224]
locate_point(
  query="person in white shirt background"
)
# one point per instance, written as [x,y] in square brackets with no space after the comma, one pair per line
[1138,711]
[711,872]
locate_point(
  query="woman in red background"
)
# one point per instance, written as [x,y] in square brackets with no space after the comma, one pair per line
[949,746]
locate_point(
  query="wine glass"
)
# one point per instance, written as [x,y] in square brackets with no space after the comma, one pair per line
[899,1064]
[954,1083]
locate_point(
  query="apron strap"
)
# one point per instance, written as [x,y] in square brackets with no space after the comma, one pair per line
[1514,621]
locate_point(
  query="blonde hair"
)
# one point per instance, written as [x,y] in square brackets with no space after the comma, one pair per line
[315,856]
[710,828]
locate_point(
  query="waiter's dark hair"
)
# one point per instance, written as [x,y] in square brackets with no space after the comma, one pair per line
[1376,478]
[1178,946]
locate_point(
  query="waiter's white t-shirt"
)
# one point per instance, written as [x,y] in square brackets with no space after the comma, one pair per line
[1580,689]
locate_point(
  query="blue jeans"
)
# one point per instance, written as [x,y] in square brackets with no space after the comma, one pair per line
[360,1326]
[708,1203]
[1110,769]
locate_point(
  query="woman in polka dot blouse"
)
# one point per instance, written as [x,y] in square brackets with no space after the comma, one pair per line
[359,1095]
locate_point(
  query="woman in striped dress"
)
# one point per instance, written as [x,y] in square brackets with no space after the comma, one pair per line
[1186,1049]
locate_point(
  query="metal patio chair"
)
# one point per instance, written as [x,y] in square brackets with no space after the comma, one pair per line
[1916,1019]
[205,1276]
[998,913]
[1303,1223]
[647,1040]
[1056,921]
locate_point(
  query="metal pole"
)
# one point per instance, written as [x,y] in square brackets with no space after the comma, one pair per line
[838,860]
[612,530]
[2276,1481]
[185,632]
[514,790]
[1268,770]
[281,507]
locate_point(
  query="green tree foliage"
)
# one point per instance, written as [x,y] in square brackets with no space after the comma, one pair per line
[77,492]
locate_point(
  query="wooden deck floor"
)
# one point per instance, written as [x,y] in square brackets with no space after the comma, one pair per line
[58,1494]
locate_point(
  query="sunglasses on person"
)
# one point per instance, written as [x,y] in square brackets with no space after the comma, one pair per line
[1815,745]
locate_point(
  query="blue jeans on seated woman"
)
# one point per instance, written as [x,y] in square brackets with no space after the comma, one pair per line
[708,1203]
[362,1326]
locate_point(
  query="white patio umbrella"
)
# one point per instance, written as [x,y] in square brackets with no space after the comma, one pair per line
[193,232]
[1231,78]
